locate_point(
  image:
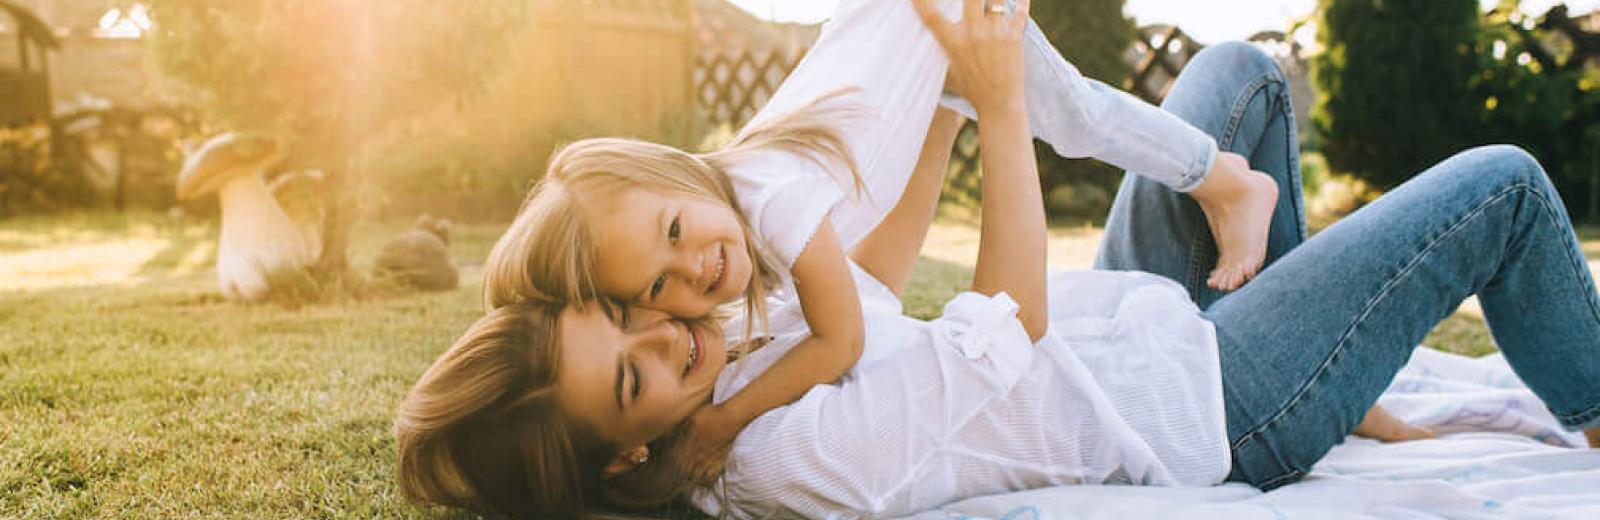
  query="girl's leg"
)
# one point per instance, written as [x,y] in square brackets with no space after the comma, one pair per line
[890,251]
[1237,94]
[1307,347]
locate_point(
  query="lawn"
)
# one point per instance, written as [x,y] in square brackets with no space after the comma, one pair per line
[130,389]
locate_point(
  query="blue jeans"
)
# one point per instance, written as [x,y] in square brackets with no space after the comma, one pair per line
[1307,347]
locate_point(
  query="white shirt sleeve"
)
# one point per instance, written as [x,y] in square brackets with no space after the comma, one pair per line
[1081,117]
[784,199]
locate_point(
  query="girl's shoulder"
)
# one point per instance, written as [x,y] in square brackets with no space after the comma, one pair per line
[783,198]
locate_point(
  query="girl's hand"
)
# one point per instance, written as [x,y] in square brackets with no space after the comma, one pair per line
[705,446]
[985,51]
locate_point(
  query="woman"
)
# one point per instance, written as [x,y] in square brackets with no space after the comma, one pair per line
[1025,382]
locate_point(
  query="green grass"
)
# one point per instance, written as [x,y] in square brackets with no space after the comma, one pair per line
[129,389]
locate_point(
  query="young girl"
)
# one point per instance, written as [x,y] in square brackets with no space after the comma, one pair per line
[780,209]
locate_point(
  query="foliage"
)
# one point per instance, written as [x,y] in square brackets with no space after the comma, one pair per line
[1394,84]
[1094,35]
[329,76]
[1548,108]
[29,178]
[327,73]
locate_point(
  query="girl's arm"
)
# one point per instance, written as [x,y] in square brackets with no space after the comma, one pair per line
[829,301]
[832,310]
[890,251]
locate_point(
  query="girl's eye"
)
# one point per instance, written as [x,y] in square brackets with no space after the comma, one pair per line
[673,232]
[655,288]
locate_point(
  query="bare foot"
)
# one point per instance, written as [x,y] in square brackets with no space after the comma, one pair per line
[1380,425]
[1238,204]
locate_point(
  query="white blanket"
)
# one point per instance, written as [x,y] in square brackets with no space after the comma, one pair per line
[1500,455]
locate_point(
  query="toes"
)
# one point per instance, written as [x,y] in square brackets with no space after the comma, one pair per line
[1225,278]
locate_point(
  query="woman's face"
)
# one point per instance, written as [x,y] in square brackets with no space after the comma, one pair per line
[634,386]
[674,253]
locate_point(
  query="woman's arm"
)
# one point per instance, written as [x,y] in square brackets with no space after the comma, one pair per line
[890,251]
[986,66]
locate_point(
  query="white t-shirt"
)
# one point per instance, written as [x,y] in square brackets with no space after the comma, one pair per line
[1125,388]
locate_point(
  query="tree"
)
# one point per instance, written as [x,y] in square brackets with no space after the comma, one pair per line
[1539,93]
[325,75]
[1394,84]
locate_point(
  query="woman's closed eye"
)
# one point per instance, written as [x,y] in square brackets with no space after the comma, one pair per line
[636,384]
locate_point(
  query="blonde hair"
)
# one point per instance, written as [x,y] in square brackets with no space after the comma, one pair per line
[548,253]
[483,429]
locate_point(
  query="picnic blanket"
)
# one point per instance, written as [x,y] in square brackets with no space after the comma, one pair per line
[1500,455]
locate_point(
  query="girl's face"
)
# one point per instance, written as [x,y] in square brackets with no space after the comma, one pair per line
[669,252]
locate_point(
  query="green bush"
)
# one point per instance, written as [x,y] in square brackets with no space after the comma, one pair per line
[1394,84]
[1549,110]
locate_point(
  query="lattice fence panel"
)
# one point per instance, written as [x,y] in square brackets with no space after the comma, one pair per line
[732,88]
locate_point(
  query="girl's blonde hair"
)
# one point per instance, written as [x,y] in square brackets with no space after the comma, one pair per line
[548,253]
[483,429]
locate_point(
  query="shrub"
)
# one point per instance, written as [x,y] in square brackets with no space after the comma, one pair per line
[1393,83]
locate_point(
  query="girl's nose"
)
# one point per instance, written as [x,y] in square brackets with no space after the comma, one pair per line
[689,266]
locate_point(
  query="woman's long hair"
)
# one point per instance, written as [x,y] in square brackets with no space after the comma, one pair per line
[483,429]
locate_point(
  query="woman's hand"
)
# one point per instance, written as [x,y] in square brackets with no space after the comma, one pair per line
[705,446]
[985,51]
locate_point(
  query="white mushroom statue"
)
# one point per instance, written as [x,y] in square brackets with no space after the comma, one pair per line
[259,240]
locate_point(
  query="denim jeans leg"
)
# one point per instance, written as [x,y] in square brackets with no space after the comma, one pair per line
[1308,346]
[1237,94]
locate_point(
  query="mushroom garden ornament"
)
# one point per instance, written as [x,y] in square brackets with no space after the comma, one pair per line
[258,238]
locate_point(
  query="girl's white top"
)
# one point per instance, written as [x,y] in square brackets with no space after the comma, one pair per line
[1124,389]
[881,49]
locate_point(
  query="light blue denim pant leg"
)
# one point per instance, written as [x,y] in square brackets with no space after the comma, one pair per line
[1238,95]
[1307,347]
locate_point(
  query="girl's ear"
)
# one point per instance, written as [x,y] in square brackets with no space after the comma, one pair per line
[625,461]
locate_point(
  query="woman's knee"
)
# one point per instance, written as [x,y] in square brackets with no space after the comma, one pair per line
[1238,59]
[1509,164]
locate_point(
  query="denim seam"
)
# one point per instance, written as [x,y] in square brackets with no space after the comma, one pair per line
[1292,159]
[1579,268]
[1376,300]
[1291,476]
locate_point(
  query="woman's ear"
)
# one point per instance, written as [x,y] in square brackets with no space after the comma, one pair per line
[625,461]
